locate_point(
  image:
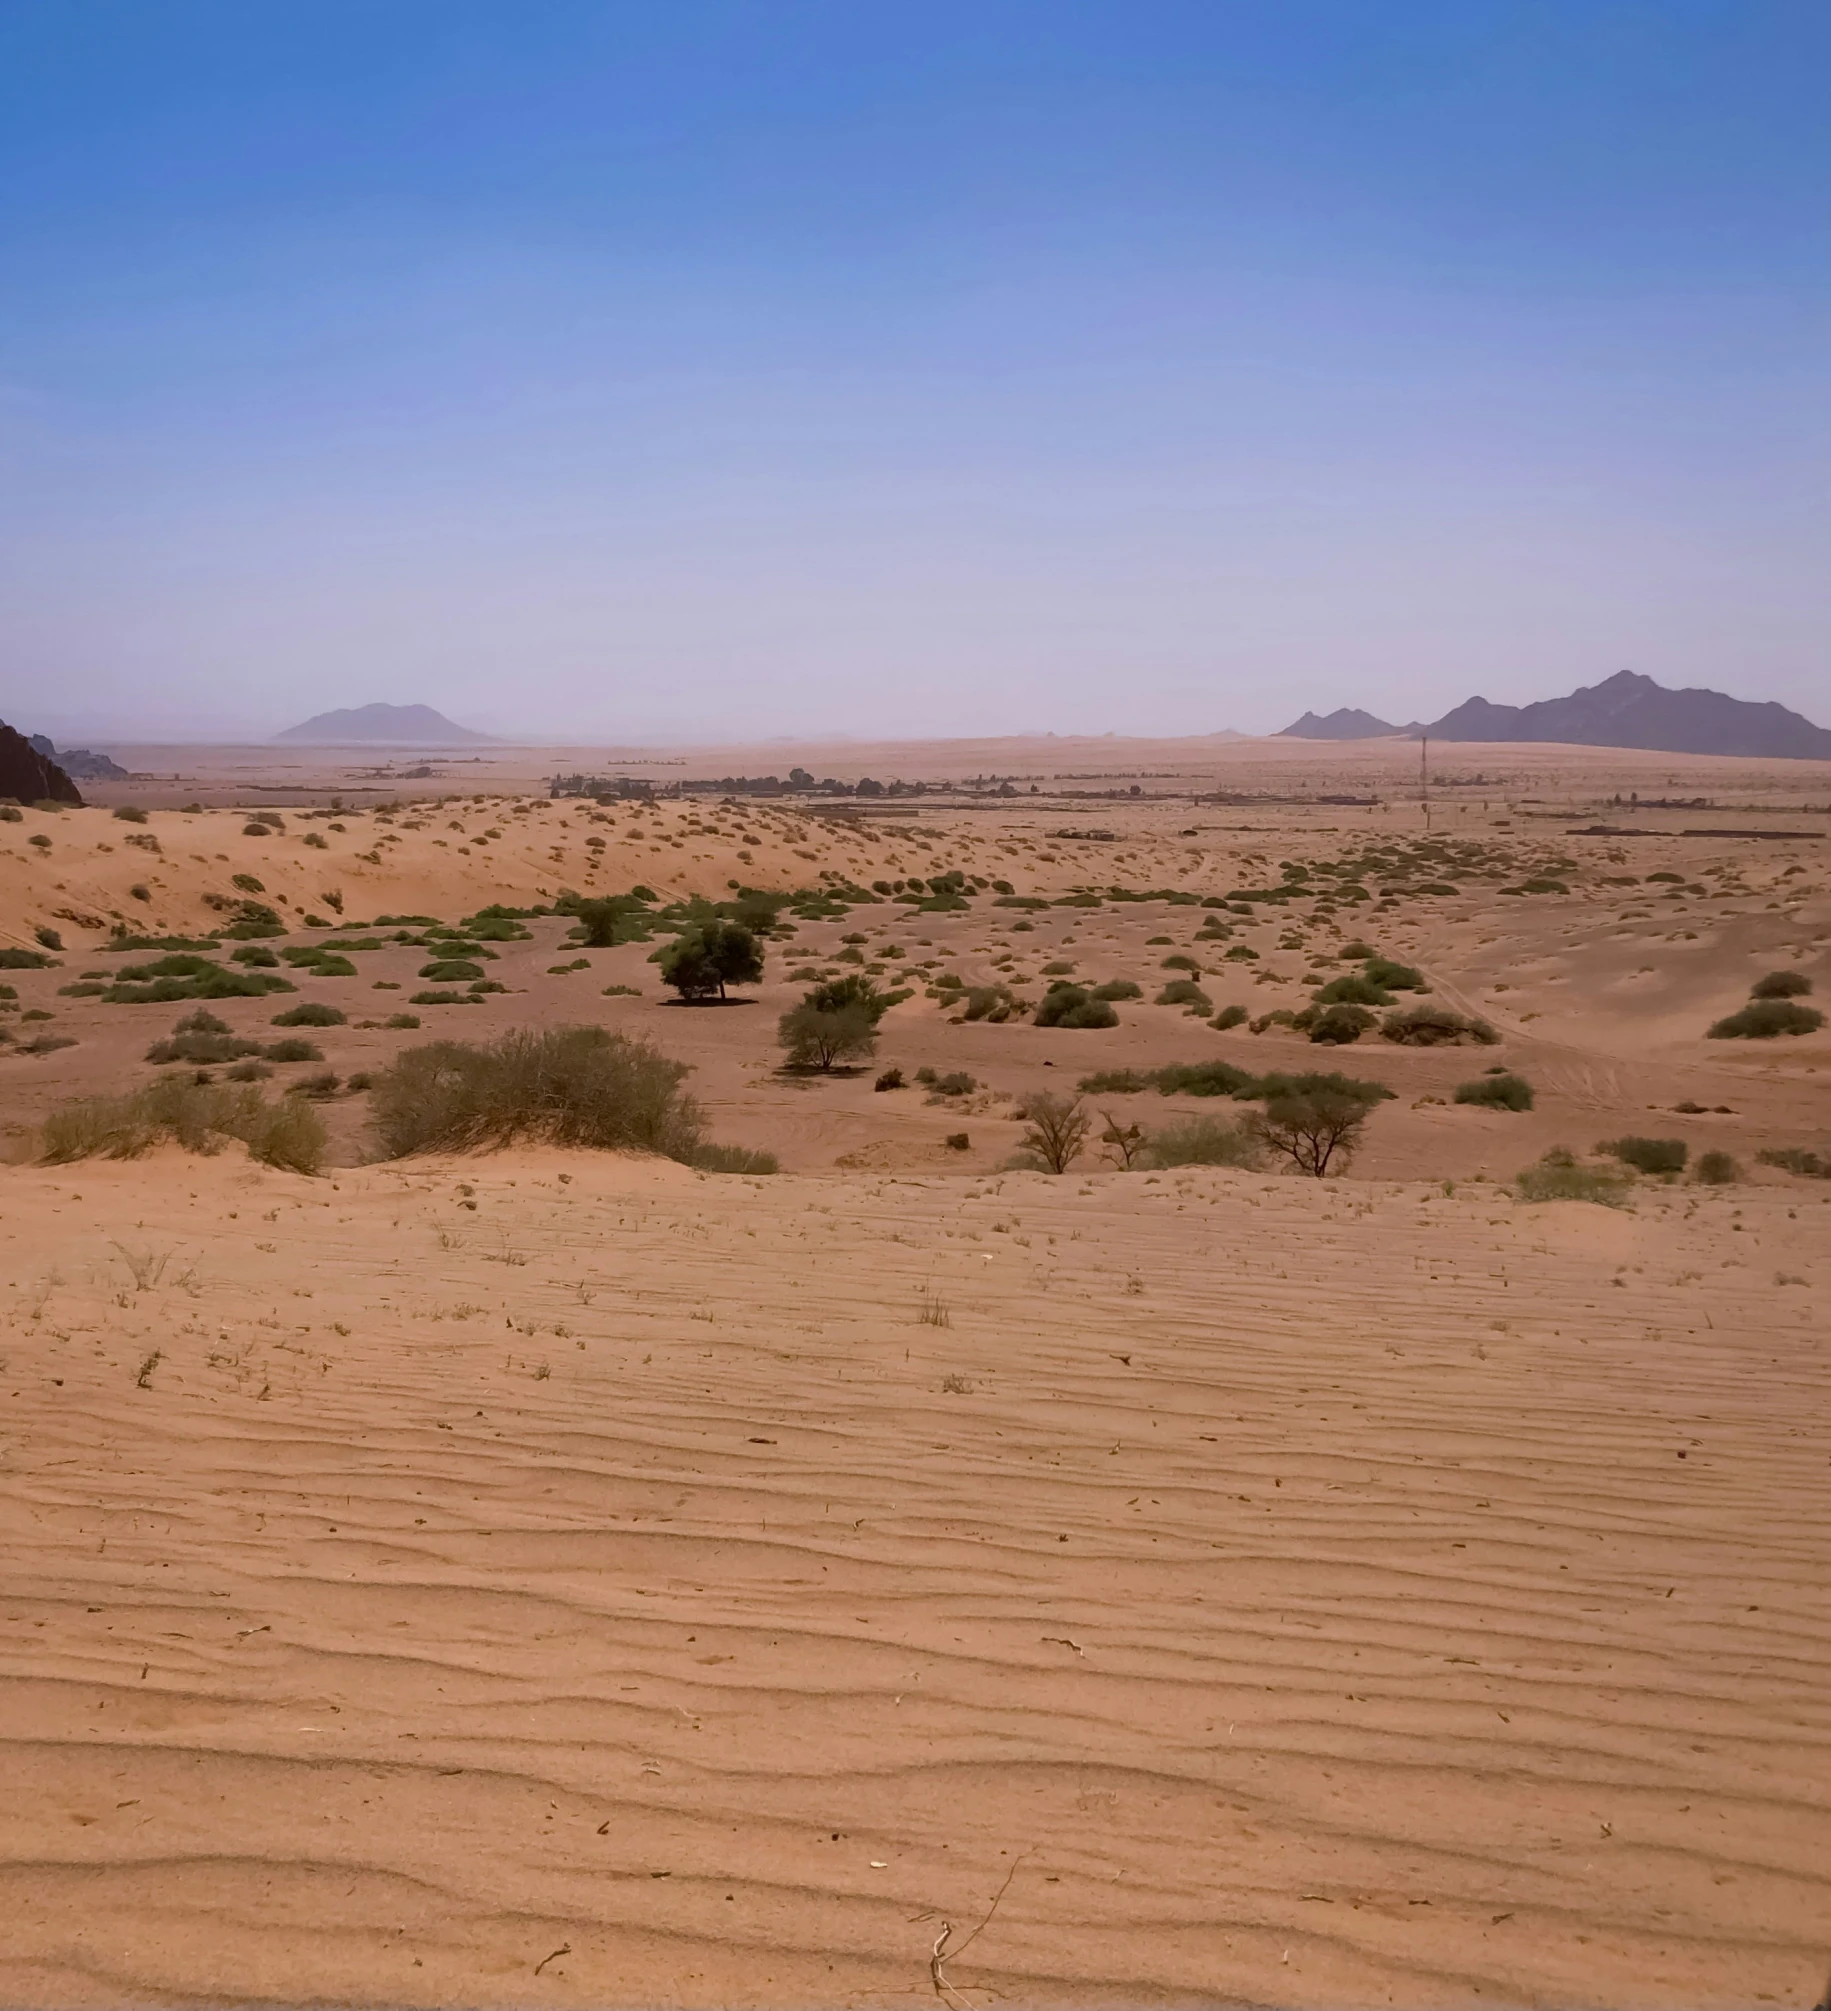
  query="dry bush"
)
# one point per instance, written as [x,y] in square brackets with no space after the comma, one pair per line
[1205,1141]
[568,1086]
[1560,1176]
[195,1115]
[1058,1132]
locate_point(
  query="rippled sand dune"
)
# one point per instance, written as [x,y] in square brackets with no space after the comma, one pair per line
[546,1579]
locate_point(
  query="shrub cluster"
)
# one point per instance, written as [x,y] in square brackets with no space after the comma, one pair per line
[1497,1090]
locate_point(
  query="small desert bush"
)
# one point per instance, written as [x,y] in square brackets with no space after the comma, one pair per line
[1339,1025]
[1057,1134]
[1185,992]
[1647,1155]
[1117,988]
[402,1022]
[201,1038]
[450,971]
[567,1086]
[1202,1078]
[990,1002]
[1231,1016]
[197,1116]
[1392,977]
[1793,1159]
[310,1013]
[709,1158]
[1074,1006]
[1781,985]
[1204,1141]
[892,1078]
[129,813]
[293,1050]
[1561,1176]
[1500,1091]
[956,1083]
[250,1071]
[1765,1018]
[1353,989]
[1435,1026]
[12,959]
[1716,1169]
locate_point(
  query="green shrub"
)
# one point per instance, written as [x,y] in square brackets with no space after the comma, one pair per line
[1315,1121]
[1435,1026]
[1203,1078]
[1204,1141]
[48,938]
[703,961]
[250,1071]
[955,1083]
[1185,992]
[1116,988]
[450,971]
[1496,1092]
[1353,989]
[566,1086]
[401,1022]
[1781,985]
[197,1116]
[1716,1169]
[1647,1155]
[257,956]
[1180,962]
[1340,1025]
[320,1088]
[23,960]
[1559,1176]
[1791,1159]
[892,1078]
[992,1003]
[184,976]
[1230,1016]
[1116,1082]
[129,813]
[1764,1019]
[293,1050]
[1067,1005]
[443,998]
[1393,977]
[309,1013]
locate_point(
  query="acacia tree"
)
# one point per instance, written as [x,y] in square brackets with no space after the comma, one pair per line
[703,961]
[818,1037]
[1316,1121]
[1058,1130]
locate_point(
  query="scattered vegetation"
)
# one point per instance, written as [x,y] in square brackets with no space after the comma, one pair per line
[201,1039]
[1647,1155]
[1767,1018]
[309,1012]
[1793,1159]
[1716,1169]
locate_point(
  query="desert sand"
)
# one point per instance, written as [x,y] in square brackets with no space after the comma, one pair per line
[547,1577]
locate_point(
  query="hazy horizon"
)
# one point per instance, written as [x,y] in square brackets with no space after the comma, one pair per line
[739,374]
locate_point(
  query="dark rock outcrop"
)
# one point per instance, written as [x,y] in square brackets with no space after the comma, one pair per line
[81,762]
[30,777]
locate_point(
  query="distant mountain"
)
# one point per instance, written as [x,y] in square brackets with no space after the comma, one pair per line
[1628,710]
[382,726]
[1347,722]
[81,762]
[26,776]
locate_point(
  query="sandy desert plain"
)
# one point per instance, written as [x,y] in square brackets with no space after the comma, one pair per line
[546,1577]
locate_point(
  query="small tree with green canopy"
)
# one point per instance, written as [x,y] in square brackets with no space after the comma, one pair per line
[818,1037]
[703,961]
[1317,1120]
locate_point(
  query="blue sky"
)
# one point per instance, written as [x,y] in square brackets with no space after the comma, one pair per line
[717,370]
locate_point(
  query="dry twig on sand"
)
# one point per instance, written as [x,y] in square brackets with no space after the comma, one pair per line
[940,1952]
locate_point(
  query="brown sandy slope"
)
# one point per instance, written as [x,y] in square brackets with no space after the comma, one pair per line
[612,1592]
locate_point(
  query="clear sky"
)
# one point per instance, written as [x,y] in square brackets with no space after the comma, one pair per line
[704,370]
